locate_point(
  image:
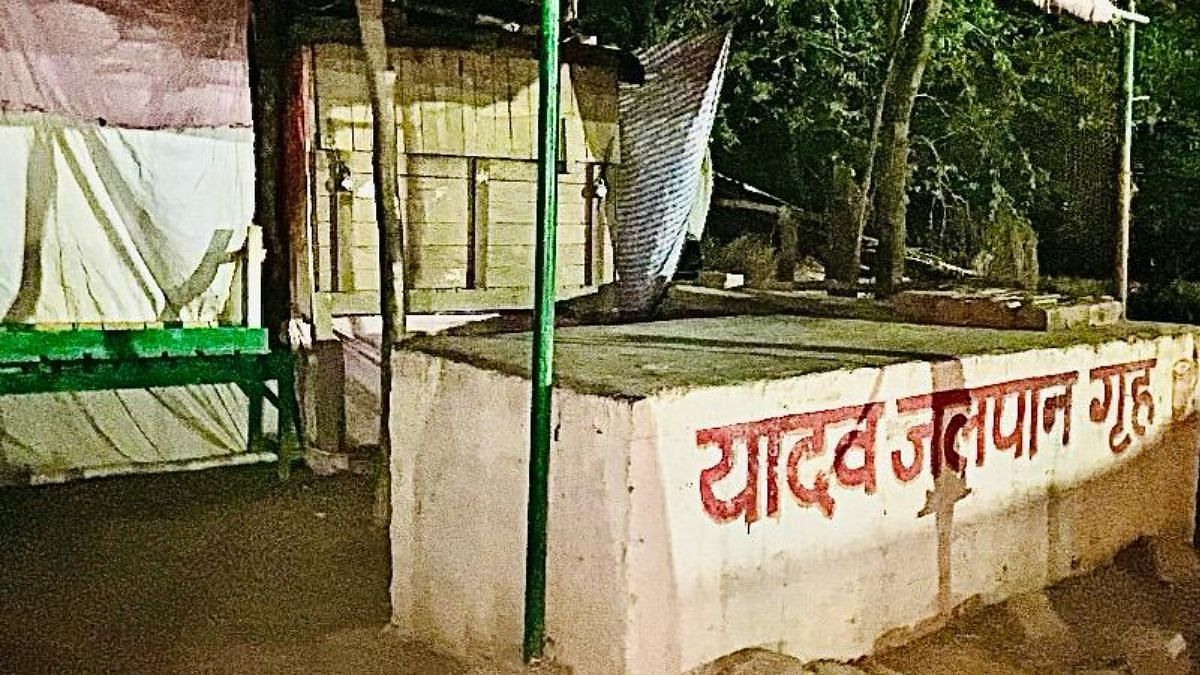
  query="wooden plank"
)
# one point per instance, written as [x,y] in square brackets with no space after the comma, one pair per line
[361,121]
[440,278]
[439,266]
[253,257]
[574,146]
[526,172]
[439,256]
[440,200]
[479,230]
[361,234]
[427,301]
[424,199]
[448,90]
[362,210]
[596,94]
[322,202]
[324,256]
[572,276]
[471,103]
[357,303]
[589,235]
[442,234]
[525,234]
[139,374]
[515,203]
[341,232]
[521,276]
[361,269]
[35,346]
[359,163]
[522,78]
[434,166]
[517,171]
[409,99]
[497,139]
[515,256]
[323,316]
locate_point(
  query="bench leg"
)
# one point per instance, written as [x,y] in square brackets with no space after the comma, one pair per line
[291,438]
[254,433]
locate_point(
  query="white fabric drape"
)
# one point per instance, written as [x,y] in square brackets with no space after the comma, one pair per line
[1095,11]
[108,225]
[126,181]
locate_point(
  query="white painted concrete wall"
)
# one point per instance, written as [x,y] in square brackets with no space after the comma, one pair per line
[643,579]
[460,495]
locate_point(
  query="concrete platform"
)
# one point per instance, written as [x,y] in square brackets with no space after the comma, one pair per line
[816,487]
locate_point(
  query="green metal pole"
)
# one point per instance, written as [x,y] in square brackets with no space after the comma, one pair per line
[543,337]
[1125,193]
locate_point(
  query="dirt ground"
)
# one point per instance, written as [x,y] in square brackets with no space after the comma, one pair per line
[223,571]
[231,571]
[1097,623]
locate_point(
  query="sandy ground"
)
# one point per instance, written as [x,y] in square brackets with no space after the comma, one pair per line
[231,571]
[1105,617]
[224,571]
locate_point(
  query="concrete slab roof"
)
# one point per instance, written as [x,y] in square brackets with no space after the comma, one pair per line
[639,360]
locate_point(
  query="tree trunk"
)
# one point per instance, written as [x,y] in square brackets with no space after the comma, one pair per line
[890,198]
[846,223]
[381,81]
[852,208]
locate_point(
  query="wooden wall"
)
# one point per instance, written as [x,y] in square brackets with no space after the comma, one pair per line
[467,177]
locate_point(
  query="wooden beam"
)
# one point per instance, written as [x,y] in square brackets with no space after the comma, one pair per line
[747,205]
[253,258]
[26,346]
[381,81]
[268,94]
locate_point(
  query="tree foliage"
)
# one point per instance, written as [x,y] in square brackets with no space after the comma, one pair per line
[1015,102]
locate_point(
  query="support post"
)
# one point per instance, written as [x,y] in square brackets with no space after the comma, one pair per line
[545,294]
[789,245]
[381,80]
[253,266]
[1125,194]
[269,92]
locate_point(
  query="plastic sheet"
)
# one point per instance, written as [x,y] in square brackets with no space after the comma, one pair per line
[161,64]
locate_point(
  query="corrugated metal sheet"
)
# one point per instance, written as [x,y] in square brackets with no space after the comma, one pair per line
[666,125]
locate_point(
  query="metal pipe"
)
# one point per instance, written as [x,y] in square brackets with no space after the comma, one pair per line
[543,336]
[1131,16]
[1125,194]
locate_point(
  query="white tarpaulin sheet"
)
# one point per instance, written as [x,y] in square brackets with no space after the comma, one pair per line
[126,182]
[101,224]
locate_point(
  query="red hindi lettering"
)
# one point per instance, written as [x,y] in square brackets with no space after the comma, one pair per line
[1015,439]
[864,440]
[745,502]
[1113,380]
[917,435]
[818,495]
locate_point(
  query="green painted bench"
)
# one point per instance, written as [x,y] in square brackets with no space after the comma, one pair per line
[37,361]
